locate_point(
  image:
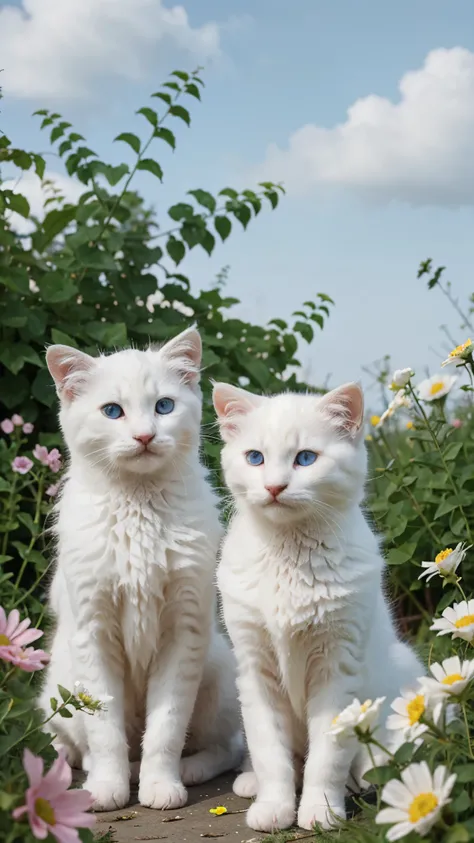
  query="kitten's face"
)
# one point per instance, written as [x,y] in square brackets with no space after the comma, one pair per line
[290,457]
[134,412]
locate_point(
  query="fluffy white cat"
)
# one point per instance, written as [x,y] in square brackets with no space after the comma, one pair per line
[133,593]
[301,578]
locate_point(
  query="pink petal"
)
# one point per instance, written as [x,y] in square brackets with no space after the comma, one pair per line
[27,637]
[38,826]
[18,812]
[57,779]
[13,621]
[63,834]
[3,620]
[73,802]
[33,765]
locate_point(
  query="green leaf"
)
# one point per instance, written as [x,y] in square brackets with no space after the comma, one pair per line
[182,113]
[379,775]
[458,833]
[151,166]
[21,159]
[279,323]
[60,338]
[176,249]
[223,226]
[181,211]
[241,212]
[229,191]
[405,753]
[204,198]
[15,355]
[465,772]
[56,287]
[452,450]
[305,330]
[193,90]
[64,712]
[18,203]
[181,74]
[56,221]
[399,555]
[131,139]
[40,165]
[43,388]
[109,334]
[316,317]
[272,197]
[208,241]
[150,115]
[74,137]
[163,96]
[166,135]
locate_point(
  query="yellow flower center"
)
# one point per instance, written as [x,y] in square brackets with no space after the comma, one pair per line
[443,555]
[85,698]
[4,641]
[456,352]
[410,425]
[436,387]
[416,708]
[422,805]
[368,438]
[365,706]
[452,678]
[45,811]
[467,620]
[374,420]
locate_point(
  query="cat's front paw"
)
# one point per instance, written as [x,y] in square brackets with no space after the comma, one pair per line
[162,795]
[270,816]
[318,809]
[108,794]
[245,785]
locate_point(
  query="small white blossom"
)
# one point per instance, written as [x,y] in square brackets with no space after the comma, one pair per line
[457,620]
[446,562]
[409,708]
[416,802]
[400,378]
[451,677]
[432,389]
[358,715]
[96,703]
[459,354]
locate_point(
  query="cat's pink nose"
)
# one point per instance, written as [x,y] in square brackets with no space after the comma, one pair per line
[276,490]
[145,438]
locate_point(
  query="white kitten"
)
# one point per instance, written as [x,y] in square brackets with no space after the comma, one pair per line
[133,592]
[301,583]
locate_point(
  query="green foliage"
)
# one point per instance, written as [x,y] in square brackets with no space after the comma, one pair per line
[84,275]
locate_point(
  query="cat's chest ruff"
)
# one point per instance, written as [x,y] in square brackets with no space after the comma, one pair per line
[304,587]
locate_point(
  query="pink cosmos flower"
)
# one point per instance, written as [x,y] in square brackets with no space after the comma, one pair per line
[54,460]
[457,423]
[28,659]
[7,426]
[28,428]
[52,490]
[17,420]
[21,465]
[40,452]
[16,632]
[50,806]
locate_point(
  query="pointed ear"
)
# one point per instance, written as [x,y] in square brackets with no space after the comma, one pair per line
[69,369]
[183,354]
[345,407]
[232,403]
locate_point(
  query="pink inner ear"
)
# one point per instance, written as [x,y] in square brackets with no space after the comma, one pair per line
[346,407]
[69,368]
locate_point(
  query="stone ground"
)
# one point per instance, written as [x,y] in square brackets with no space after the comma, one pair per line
[190,824]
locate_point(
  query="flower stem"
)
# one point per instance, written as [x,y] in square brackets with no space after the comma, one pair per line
[468,735]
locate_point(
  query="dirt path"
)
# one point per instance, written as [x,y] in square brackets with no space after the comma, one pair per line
[195,824]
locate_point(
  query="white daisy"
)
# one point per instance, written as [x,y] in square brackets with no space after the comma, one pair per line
[457,620]
[400,378]
[432,389]
[416,802]
[450,677]
[409,709]
[459,354]
[446,562]
[88,701]
[358,715]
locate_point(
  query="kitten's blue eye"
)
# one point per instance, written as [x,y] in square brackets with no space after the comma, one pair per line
[164,406]
[113,411]
[305,458]
[254,457]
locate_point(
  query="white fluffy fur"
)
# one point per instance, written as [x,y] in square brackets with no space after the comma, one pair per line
[133,593]
[301,583]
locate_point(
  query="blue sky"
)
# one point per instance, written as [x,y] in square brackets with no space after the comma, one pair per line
[364,204]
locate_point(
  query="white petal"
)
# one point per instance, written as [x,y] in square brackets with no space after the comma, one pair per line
[396,794]
[390,815]
[399,831]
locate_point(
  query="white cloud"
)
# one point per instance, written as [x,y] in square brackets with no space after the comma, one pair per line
[36,192]
[417,150]
[55,48]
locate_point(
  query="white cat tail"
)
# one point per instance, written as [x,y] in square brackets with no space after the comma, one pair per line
[230,404]
[69,369]
[184,354]
[344,406]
